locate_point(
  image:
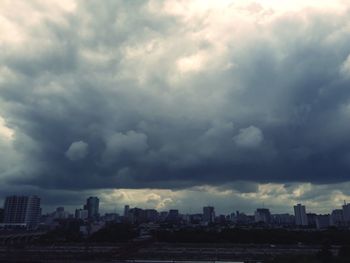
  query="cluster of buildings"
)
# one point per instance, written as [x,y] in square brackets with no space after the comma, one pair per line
[338,218]
[262,217]
[25,212]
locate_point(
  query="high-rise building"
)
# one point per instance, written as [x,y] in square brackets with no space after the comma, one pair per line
[1,215]
[22,210]
[311,219]
[126,210]
[322,221]
[300,215]
[173,215]
[346,212]
[262,215]
[163,215]
[208,214]
[241,218]
[283,219]
[196,218]
[337,217]
[137,215]
[81,214]
[60,213]
[92,206]
[151,215]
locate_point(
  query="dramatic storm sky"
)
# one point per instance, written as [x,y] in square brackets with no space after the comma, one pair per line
[176,104]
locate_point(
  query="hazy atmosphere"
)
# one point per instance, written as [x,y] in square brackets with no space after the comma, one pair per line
[163,104]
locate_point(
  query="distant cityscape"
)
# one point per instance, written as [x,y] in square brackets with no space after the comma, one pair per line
[24,212]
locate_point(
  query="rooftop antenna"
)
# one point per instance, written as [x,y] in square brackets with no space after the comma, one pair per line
[344,202]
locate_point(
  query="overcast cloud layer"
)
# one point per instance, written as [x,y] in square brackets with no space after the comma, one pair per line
[189,96]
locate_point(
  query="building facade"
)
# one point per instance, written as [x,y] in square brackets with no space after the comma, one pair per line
[262,215]
[126,210]
[346,213]
[92,206]
[22,210]
[300,215]
[173,215]
[208,214]
[81,214]
[337,218]
[322,221]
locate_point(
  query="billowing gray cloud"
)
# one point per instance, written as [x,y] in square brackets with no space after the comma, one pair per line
[119,145]
[77,150]
[249,137]
[146,94]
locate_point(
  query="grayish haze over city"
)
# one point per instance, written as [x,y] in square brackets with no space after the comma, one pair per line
[163,104]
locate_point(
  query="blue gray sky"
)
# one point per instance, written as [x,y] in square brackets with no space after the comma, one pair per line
[165,104]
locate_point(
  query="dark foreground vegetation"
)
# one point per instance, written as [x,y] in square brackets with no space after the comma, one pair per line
[122,241]
[70,233]
[323,256]
[255,236]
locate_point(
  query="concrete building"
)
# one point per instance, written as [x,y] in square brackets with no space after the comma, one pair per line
[111,217]
[208,214]
[311,219]
[322,221]
[346,213]
[126,210]
[60,213]
[283,219]
[221,219]
[163,215]
[137,215]
[22,210]
[92,206]
[173,216]
[1,215]
[300,215]
[241,218]
[337,218]
[196,218]
[151,215]
[262,215]
[81,214]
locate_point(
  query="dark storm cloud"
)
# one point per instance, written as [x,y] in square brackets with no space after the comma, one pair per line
[98,102]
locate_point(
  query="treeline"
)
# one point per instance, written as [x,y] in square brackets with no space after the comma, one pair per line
[256,236]
[114,233]
[323,256]
[69,232]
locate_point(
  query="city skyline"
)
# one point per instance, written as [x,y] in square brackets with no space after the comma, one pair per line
[152,235]
[94,209]
[225,200]
[164,104]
